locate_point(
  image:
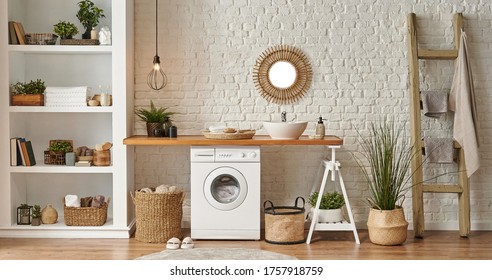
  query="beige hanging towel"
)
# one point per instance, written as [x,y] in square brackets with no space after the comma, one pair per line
[462,102]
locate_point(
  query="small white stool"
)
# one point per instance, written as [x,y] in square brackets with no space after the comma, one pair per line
[333,167]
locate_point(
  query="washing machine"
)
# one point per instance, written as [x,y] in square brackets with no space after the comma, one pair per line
[225,192]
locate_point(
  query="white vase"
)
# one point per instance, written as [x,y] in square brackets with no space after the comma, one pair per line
[330,215]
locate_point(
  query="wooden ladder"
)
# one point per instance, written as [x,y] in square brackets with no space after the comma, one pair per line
[462,188]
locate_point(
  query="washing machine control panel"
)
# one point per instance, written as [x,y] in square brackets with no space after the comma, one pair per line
[237,154]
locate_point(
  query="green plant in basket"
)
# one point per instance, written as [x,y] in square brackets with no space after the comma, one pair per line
[329,200]
[64,147]
[65,29]
[154,114]
[32,87]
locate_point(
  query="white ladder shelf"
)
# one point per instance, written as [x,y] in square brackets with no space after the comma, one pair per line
[332,166]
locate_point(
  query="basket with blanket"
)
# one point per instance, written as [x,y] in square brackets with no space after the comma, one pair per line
[158,213]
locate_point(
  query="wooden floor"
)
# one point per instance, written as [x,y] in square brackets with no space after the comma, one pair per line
[436,245]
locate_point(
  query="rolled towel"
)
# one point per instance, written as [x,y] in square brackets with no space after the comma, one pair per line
[72,200]
[98,201]
[86,201]
[162,189]
[146,190]
[439,150]
[434,103]
[217,128]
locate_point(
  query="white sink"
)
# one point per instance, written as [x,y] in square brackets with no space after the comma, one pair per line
[285,130]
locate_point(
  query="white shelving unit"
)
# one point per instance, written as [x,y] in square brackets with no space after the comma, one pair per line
[59,65]
[331,166]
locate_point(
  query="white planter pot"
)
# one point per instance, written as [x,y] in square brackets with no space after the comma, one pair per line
[330,215]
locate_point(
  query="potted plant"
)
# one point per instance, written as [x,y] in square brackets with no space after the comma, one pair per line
[65,29]
[388,157]
[157,120]
[330,208]
[89,15]
[36,215]
[28,94]
[57,150]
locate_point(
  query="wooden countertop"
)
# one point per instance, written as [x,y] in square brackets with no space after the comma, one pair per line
[200,140]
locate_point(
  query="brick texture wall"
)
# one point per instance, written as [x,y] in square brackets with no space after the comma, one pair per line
[358,51]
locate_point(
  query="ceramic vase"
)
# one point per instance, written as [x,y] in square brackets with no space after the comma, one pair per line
[49,215]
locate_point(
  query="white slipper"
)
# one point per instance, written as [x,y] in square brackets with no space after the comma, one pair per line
[187,243]
[173,244]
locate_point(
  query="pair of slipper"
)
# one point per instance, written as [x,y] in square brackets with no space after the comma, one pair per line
[174,243]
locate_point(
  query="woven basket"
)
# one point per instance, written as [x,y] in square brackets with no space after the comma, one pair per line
[387,227]
[246,134]
[158,216]
[41,39]
[86,216]
[284,224]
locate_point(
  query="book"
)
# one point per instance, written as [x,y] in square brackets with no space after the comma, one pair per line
[12,36]
[83,163]
[19,31]
[19,147]
[30,153]
[13,152]
[24,154]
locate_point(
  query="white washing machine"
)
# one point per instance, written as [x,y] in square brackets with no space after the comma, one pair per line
[225,192]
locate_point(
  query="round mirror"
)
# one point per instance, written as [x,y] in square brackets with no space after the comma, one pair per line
[282,74]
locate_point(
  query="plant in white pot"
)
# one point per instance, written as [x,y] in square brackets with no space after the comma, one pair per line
[385,163]
[330,207]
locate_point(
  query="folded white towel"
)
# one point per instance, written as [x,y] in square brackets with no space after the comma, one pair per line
[72,200]
[217,128]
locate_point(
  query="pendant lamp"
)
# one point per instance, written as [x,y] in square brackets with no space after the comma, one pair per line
[156,78]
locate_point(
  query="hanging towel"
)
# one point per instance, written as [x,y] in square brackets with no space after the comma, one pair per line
[439,150]
[462,102]
[434,103]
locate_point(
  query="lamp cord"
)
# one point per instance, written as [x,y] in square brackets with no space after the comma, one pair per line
[156,27]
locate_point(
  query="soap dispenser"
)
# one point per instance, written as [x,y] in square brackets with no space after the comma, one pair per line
[320,128]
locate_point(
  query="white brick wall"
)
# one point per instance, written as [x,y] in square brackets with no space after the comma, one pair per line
[358,52]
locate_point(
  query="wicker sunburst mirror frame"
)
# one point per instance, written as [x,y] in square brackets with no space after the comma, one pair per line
[280,94]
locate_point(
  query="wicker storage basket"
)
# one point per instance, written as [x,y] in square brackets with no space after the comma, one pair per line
[284,224]
[158,216]
[41,39]
[86,216]
[56,158]
[387,227]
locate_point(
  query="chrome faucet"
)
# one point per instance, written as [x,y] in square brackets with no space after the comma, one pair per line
[283,116]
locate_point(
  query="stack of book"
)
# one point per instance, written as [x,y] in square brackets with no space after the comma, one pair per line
[17,36]
[21,152]
[65,96]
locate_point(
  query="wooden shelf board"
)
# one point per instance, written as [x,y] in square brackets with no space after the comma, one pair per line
[437,54]
[258,140]
[42,168]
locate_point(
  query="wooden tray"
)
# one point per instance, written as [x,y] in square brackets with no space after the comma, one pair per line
[241,134]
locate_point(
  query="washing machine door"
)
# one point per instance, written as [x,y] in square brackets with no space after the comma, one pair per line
[225,188]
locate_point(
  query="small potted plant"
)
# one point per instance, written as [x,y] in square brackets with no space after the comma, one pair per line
[57,150]
[65,29]
[89,15]
[28,94]
[330,208]
[157,120]
[36,215]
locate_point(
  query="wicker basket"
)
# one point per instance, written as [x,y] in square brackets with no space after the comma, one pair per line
[387,227]
[86,216]
[284,224]
[56,158]
[41,39]
[158,216]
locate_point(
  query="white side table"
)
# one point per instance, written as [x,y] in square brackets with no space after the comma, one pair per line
[332,166]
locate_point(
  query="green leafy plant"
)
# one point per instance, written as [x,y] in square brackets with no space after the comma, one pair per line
[329,200]
[65,29]
[32,87]
[61,146]
[89,15]
[388,157]
[154,115]
[36,211]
